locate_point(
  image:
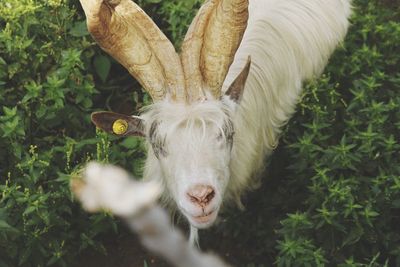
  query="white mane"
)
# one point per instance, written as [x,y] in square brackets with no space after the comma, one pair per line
[289,42]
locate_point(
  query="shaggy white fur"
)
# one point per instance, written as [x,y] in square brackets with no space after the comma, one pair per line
[289,41]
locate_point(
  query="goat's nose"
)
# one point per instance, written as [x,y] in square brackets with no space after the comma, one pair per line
[201,194]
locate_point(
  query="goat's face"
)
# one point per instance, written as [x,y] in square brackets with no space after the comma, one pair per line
[189,149]
[191,142]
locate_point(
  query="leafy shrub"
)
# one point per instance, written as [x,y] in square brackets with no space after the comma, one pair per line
[49,69]
[46,97]
[344,147]
[342,188]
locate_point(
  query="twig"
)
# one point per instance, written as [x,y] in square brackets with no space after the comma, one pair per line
[106,187]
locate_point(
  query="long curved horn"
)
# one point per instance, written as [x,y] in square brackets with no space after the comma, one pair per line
[124,31]
[211,43]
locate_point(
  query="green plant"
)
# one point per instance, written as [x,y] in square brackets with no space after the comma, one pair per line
[337,204]
[49,68]
[344,147]
[46,97]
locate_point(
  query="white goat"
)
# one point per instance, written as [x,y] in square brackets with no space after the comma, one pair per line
[208,137]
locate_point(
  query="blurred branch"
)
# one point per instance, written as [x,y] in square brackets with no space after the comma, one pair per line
[106,187]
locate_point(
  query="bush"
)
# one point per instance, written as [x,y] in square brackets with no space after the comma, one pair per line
[46,96]
[331,192]
[344,147]
[342,188]
[49,69]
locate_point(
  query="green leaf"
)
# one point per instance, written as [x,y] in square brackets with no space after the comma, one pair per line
[102,66]
[130,142]
[5,226]
[52,260]
[29,210]
[79,29]
[10,112]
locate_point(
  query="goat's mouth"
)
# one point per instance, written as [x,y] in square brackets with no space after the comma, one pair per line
[203,221]
[205,217]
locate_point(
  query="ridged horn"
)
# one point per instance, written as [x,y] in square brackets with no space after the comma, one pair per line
[124,31]
[210,45]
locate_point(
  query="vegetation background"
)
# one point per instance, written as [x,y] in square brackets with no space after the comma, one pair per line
[331,193]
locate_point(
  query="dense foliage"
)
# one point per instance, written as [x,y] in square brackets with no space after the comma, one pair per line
[344,147]
[332,195]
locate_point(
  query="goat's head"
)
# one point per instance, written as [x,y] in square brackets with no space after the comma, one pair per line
[189,127]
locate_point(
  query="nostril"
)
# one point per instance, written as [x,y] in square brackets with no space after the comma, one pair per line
[193,198]
[209,196]
[201,194]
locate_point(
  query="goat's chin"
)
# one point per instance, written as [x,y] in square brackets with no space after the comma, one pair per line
[204,221]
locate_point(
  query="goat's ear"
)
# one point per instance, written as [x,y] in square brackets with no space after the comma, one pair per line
[118,124]
[235,91]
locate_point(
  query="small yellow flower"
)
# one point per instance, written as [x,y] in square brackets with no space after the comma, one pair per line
[120,126]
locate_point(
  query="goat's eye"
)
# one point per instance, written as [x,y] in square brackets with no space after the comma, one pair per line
[220,136]
[158,148]
[158,144]
[156,141]
[226,137]
[229,138]
[226,134]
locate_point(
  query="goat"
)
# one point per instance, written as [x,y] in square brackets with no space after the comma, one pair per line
[219,105]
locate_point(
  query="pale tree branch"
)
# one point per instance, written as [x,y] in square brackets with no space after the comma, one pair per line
[106,187]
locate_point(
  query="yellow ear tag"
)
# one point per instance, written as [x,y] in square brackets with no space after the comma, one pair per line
[120,126]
